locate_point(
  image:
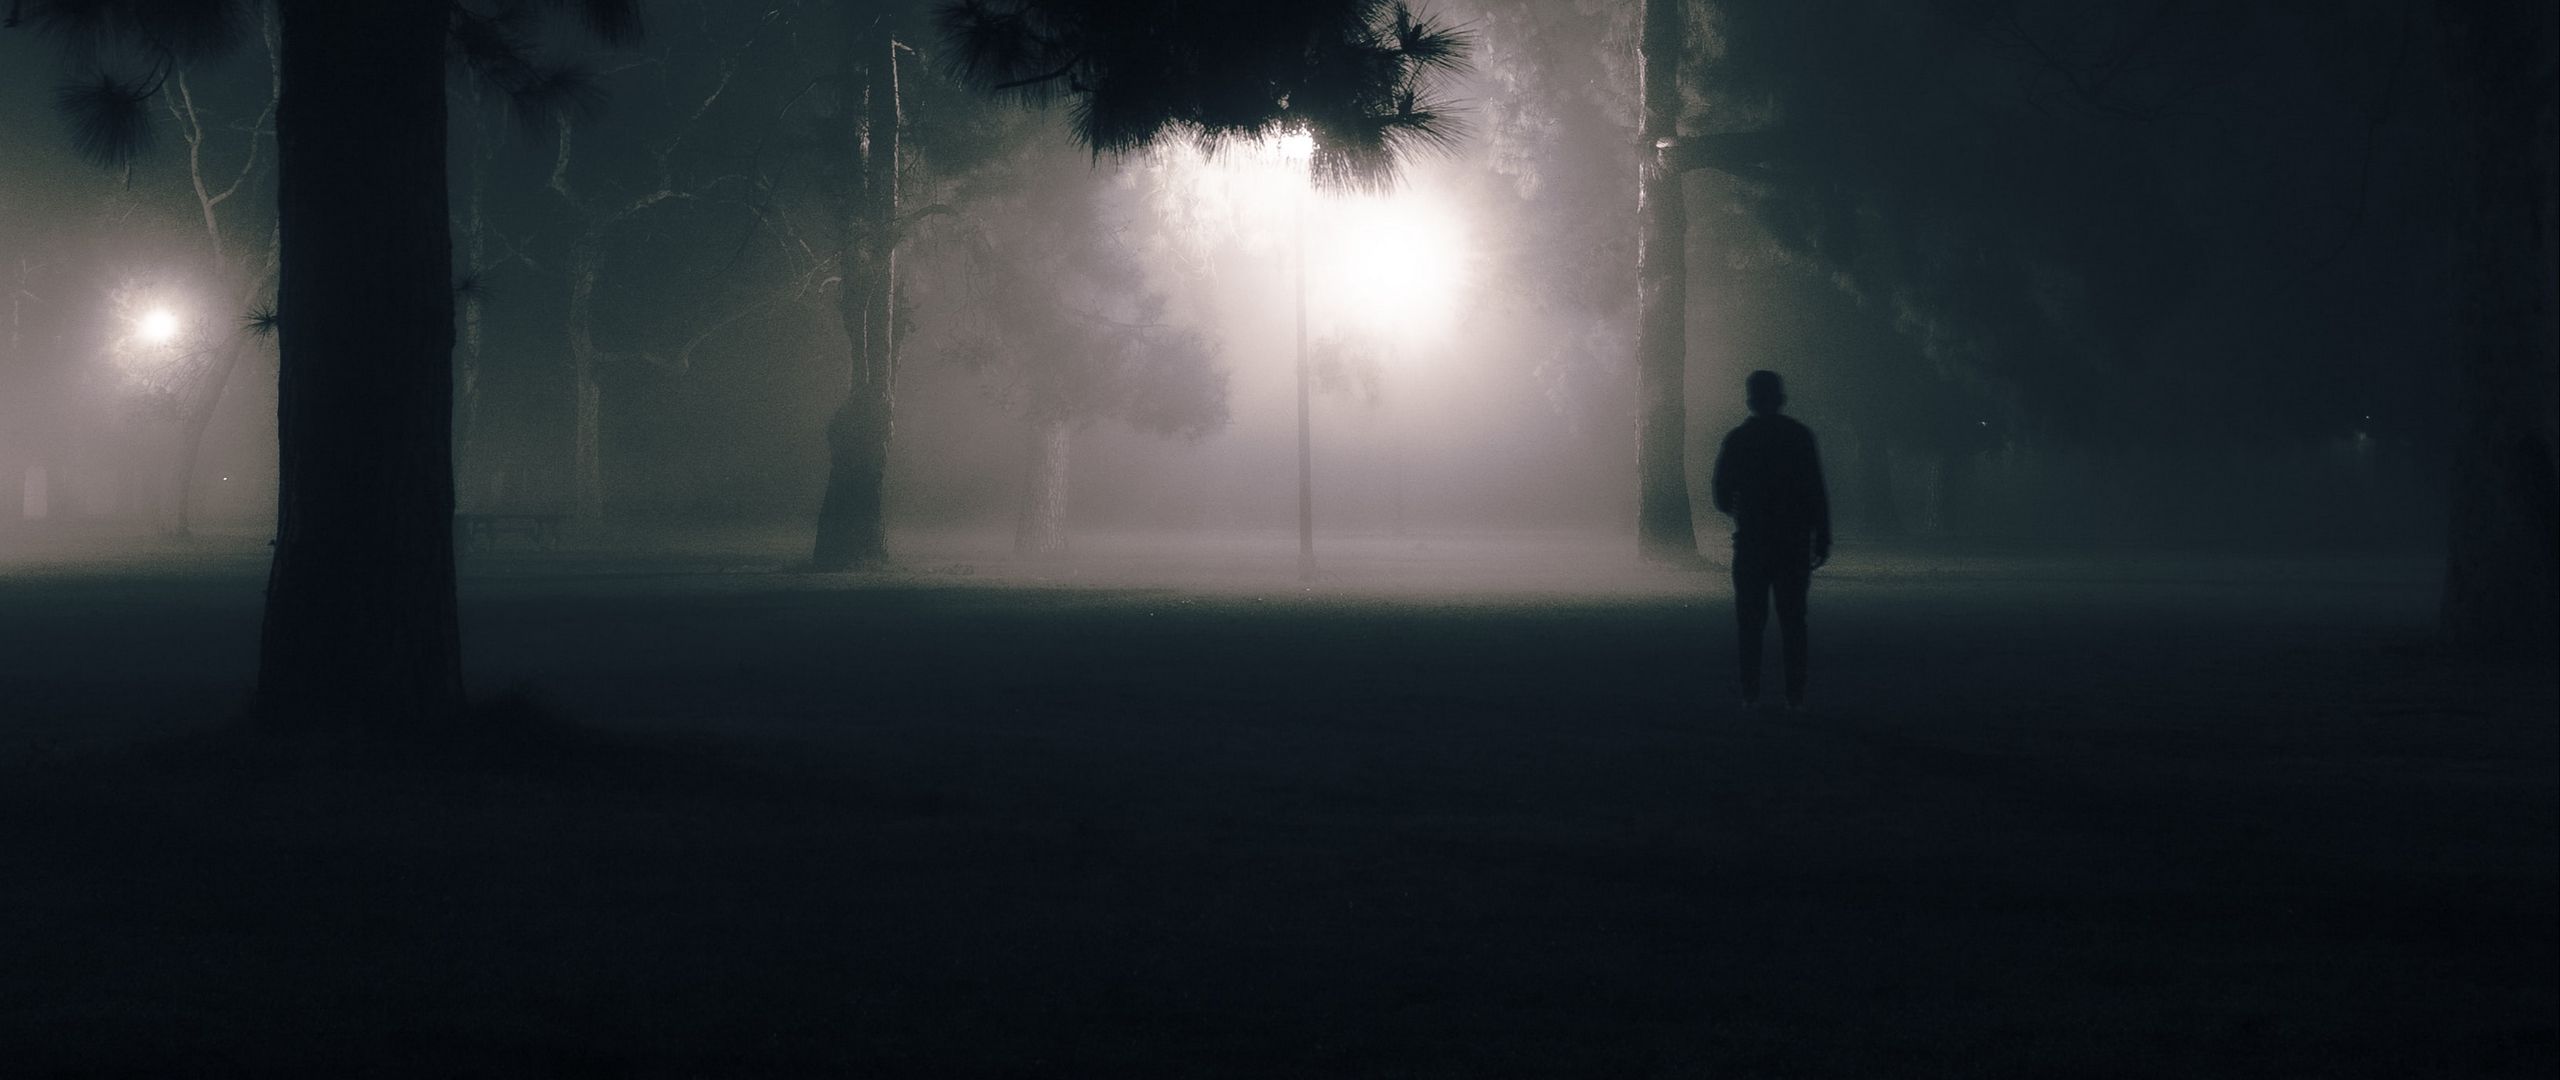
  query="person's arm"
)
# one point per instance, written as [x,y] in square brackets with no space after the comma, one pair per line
[1821,504]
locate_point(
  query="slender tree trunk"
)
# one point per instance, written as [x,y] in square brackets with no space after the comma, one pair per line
[852,521]
[191,434]
[586,440]
[1663,529]
[200,402]
[1042,532]
[198,415]
[17,305]
[1875,484]
[360,627]
[2501,585]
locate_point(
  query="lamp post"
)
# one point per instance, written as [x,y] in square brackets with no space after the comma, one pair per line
[1394,263]
[1306,452]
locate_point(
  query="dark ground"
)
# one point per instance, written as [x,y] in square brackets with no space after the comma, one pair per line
[1465,811]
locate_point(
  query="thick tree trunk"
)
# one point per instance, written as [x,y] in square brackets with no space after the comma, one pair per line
[2501,585]
[851,529]
[586,432]
[852,521]
[1663,529]
[360,624]
[1883,517]
[1042,531]
[475,255]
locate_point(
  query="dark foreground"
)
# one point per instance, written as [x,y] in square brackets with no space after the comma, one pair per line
[2047,818]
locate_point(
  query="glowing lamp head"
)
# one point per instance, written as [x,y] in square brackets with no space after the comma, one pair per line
[1392,265]
[159,326]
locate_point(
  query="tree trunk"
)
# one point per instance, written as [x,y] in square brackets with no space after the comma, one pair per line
[2501,585]
[197,403]
[191,431]
[586,450]
[360,627]
[1663,528]
[1042,532]
[1882,515]
[475,264]
[852,521]
[18,296]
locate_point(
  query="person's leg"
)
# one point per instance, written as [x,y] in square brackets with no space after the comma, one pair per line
[1791,585]
[1751,616]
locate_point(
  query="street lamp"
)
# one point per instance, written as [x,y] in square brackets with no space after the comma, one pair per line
[156,332]
[1391,267]
[1388,266]
[158,326]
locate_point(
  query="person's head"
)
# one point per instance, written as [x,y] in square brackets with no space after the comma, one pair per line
[1765,392]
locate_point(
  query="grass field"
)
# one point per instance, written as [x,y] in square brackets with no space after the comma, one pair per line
[1461,809]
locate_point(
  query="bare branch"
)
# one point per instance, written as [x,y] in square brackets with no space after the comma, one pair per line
[560,162]
[684,356]
[258,129]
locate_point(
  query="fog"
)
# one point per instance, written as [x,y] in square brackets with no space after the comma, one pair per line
[1325,538]
[2008,310]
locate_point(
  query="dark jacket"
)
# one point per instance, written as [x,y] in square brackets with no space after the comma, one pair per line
[1769,479]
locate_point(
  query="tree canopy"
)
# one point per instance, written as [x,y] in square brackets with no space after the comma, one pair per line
[2134,215]
[1358,76]
[123,52]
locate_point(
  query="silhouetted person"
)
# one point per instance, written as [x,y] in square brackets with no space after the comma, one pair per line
[1769,480]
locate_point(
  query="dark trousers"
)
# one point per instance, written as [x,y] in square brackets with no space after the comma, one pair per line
[1759,574]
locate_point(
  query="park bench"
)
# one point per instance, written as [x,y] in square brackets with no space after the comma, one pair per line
[481,531]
